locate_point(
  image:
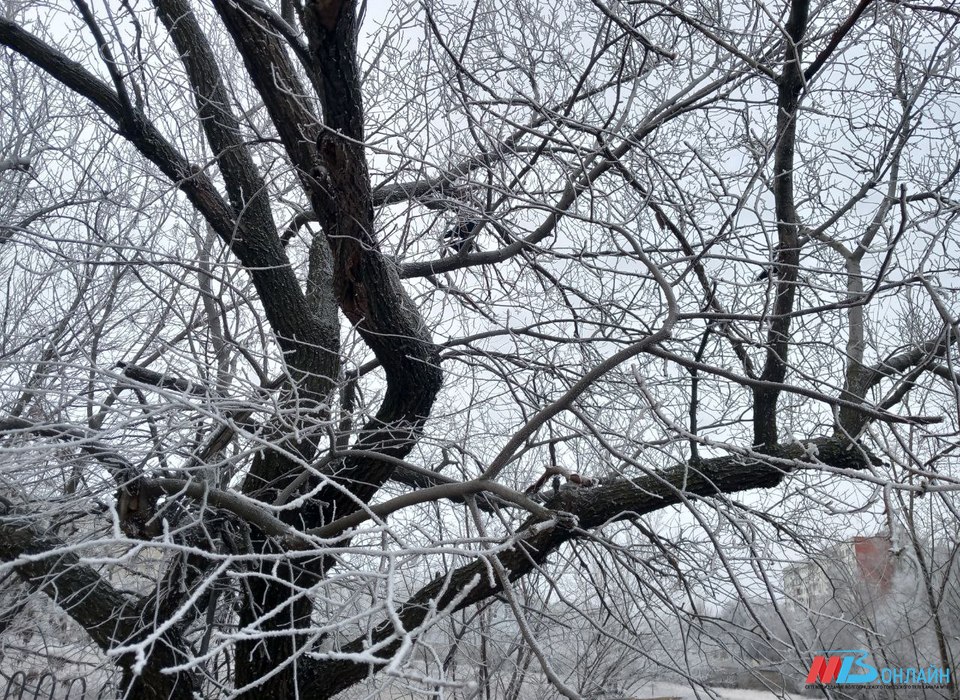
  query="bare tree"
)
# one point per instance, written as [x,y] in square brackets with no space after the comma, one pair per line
[331,327]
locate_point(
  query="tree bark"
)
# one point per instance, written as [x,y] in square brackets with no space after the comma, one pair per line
[789,87]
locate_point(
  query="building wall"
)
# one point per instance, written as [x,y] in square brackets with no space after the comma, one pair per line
[865,563]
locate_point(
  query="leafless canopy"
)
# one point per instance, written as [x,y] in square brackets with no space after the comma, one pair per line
[335,334]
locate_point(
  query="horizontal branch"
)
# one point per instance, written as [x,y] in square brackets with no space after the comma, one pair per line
[158,379]
[874,413]
[453,491]
[593,508]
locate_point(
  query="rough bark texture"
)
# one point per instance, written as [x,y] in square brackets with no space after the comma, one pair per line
[367,289]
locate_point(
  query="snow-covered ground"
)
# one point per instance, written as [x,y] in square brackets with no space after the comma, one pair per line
[654,691]
[674,691]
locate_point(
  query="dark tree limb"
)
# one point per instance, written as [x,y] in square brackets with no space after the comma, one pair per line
[311,342]
[911,363]
[158,379]
[273,74]
[592,508]
[245,224]
[366,284]
[789,87]
[46,565]
[838,35]
[347,260]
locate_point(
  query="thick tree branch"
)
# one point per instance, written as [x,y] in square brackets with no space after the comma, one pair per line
[789,87]
[593,508]
[312,342]
[110,618]
[274,76]
[246,225]
[366,287]
[158,379]
[366,284]
[835,40]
